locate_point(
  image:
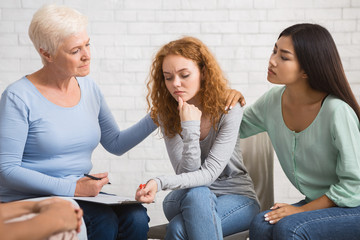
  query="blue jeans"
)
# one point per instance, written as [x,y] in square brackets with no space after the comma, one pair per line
[334,223]
[197,213]
[107,222]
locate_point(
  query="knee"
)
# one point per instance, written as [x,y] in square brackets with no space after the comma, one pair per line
[107,218]
[257,221]
[259,228]
[198,195]
[138,215]
[102,225]
[133,222]
[286,229]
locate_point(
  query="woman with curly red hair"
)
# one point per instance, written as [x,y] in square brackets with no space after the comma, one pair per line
[213,196]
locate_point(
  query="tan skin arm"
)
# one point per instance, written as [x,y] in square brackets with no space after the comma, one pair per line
[281,210]
[54,215]
[15,209]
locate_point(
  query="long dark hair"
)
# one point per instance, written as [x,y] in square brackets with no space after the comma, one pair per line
[318,57]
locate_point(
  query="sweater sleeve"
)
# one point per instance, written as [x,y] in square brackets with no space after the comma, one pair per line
[219,155]
[184,152]
[346,138]
[14,128]
[116,141]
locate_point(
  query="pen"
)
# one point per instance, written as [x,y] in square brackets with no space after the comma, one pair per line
[92,177]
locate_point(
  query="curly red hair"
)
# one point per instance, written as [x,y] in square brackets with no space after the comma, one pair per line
[213,85]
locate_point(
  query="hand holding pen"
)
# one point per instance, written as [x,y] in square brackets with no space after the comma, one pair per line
[146,192]
[93,177]
[91,186]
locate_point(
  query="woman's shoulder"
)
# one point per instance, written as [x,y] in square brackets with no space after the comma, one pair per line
[18,85]
[89,86]
[335,108]
[334,103]
[235,114]
[21,88]
[275,91]
[86,81]
[268,100]
[236,108]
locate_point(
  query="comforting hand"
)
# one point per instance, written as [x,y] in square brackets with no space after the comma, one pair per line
[147,194]
[188,112]
[87,187]
[281,210]
[232,97]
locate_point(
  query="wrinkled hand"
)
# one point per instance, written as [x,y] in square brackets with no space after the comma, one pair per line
[69,215]
[87,187]
[148,193]
[188,112]
[281,210]
[232,97]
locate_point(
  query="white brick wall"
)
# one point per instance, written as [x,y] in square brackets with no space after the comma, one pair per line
[125,34]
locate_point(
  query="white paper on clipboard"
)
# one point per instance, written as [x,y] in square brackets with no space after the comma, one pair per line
[106,198]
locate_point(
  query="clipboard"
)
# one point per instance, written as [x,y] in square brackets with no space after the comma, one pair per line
[109,199]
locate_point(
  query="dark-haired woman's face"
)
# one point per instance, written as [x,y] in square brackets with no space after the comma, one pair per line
[284,67]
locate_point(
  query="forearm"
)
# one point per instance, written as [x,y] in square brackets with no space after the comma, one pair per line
[184,151]
[39,227]
[320,203]
[16,209]
[32,183]
[118,141]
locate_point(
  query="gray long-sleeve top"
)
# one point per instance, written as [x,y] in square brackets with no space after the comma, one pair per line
[212,161]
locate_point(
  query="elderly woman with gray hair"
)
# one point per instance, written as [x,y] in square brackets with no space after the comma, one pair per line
[53,119]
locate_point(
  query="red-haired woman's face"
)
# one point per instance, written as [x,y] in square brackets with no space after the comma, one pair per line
[182,78]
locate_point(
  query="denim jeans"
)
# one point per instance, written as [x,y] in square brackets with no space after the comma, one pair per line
[197,213]
[107,222]
[334,223]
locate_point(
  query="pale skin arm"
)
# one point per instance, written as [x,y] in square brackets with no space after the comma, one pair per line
[87,187]
[54,215]
[281,210]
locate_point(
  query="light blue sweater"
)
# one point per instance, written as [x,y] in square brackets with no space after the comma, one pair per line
[45,148]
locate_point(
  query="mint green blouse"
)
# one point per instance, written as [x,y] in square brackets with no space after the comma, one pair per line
[322,159]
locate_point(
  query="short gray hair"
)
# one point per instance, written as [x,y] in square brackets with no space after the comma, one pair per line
[51,24]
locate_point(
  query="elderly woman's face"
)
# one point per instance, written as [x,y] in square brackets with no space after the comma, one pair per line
[73,56]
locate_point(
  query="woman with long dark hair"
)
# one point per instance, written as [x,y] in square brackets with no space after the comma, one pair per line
[313,123]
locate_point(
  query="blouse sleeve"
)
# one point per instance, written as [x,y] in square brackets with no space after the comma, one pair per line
[116,141]
[346,138]
[214,163]
[254,117]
